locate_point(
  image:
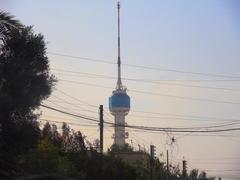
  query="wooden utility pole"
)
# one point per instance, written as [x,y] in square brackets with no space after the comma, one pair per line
[184,171]
[152,155]
[101,140]
[167,166]
[101,127]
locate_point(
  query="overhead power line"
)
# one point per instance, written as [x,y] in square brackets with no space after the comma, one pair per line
[185,72]
[212,126]
[196,127]
[70,114]
[172,115]
[184,118]
[214,134]
[221,170]
[214,158]
[76,73]
[144,127]
[70,123]
[144,67]
[64,118]
[165,115]
[79,107]
[82,58]
[156,94]
[225,124]
[145,80]
[76,99]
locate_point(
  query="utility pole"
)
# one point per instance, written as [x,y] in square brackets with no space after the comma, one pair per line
[167,166]
[101,140]
[152,155]
[101,127]
[184,171]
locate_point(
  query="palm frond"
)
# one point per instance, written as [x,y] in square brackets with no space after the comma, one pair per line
[8,21]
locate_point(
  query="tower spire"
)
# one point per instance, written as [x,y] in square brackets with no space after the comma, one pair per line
[119,81]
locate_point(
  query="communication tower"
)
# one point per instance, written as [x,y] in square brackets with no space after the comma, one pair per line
[119,102]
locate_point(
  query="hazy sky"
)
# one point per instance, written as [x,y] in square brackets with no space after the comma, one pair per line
[184,35]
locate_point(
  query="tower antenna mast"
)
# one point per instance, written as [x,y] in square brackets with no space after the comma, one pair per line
[119,81]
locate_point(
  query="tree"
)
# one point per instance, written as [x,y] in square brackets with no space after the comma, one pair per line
[47,159]
[24,78]
[72,141]
[50,132]
[202,176]
[7,23]
[25,81]
[193,175]
[125,148]
[24,71]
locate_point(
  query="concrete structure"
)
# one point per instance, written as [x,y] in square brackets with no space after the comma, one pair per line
[119,102]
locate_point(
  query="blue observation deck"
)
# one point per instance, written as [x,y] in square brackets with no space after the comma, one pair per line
[119,101]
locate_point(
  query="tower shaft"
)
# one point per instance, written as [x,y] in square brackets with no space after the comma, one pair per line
[119,137]
[119,81]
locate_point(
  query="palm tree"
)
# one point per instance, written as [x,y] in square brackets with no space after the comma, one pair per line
[7,23]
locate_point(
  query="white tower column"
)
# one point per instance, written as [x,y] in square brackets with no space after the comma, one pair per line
[119,137]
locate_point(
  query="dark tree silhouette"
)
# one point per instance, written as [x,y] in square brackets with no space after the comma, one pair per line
[24,82]
[7,23]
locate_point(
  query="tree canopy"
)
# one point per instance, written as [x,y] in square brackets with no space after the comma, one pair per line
[7,23]
[25,81]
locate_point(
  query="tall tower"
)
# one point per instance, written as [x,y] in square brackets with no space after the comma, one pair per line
[119,102]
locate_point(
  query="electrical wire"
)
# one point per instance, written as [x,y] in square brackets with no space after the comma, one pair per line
[181,115]
[187,117]
[70,123]
[63,100]
[144,67]
[75,99]
[157,94]
[145,127]
[146,81]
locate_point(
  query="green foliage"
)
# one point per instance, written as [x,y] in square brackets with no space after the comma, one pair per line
[24,82]
[7,23]
[193,175]
[70,158]
[61,158]
[118,170]
[46,159]
[125,148]
[160,170]
[24,71]
[142,172]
